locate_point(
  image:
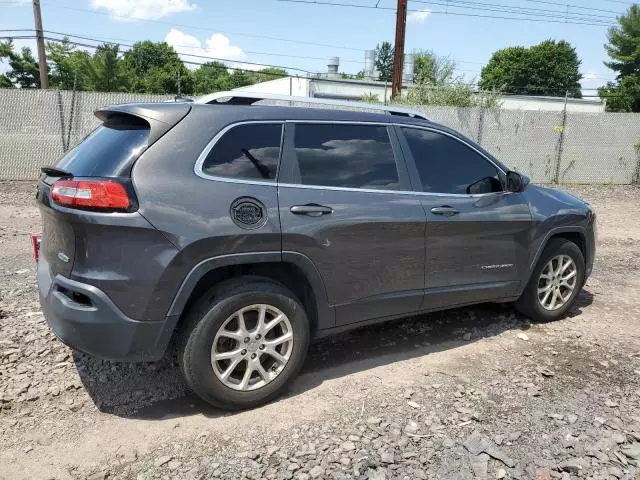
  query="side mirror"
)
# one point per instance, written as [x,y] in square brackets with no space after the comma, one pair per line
[516,182]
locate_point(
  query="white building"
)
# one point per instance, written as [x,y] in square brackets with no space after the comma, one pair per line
[331,86]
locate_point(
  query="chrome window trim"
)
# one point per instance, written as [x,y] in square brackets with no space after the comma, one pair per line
[198,167]
[202,157]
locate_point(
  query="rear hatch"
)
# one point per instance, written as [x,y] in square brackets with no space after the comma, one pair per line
[103,160]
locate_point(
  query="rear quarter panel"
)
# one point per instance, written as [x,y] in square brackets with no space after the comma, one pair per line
[193,213]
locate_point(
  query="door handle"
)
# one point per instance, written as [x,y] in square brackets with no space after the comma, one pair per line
[445,210]
[311,210]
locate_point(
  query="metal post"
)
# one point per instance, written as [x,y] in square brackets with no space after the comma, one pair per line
[481,125]
[42,56]
[556,178]
[398,55]
[386,85]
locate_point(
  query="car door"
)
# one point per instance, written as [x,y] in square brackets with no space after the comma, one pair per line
[345,204]
[476,245]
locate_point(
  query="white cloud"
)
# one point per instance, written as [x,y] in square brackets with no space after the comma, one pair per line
[142,9]
[589,75]
[419,16]
[217,46]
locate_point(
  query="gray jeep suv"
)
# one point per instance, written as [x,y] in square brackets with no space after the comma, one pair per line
[238,232]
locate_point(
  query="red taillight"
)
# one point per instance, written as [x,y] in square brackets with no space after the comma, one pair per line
[102,194]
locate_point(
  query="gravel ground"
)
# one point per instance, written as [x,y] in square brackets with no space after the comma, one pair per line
[470,393]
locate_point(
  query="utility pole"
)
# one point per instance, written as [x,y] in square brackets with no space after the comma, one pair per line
[398,56]
[42,57]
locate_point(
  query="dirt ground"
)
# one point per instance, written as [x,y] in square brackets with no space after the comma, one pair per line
[470,393]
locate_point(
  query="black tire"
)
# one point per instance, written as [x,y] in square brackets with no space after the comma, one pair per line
[528,303]
[207,317]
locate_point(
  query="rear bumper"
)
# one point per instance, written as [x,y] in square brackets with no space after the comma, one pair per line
[85,319]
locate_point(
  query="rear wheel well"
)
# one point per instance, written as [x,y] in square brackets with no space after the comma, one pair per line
[284,273]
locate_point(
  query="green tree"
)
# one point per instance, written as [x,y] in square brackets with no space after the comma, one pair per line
[550,68]
[269,73]
[384,61]
[429,68]
[623,96]
[24,69]
[155,67]
[69,68]
[624,50]
[6,50]
[107,70]
[211,77]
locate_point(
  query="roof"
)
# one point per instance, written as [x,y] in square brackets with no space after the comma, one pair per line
[250,98]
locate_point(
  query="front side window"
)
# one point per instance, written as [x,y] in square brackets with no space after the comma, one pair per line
[343,155]
[248,152]
[446,165]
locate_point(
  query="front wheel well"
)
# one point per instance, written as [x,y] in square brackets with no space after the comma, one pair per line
[574,237]
[284,273]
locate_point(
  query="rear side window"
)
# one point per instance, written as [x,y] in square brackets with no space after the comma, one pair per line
[109,149]
[248,152]
[342,155]
[446,165]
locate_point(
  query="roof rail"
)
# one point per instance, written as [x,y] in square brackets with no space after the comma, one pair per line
[249,98]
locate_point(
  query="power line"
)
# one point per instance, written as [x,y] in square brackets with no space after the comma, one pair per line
[205,29]
[570,20]
[601,76]
[516,10]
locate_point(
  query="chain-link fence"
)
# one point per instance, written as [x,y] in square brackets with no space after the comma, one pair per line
[37,127]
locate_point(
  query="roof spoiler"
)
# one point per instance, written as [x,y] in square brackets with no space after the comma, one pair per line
[161,117]
[249,98]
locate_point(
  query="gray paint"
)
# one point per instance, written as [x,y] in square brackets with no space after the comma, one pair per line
[377,255]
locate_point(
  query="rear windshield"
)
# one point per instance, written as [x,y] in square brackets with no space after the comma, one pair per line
[109,150]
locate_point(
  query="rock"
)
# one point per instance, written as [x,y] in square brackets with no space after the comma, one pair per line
[377,475]
[174,465]
[545,372]
[292,467]
[479,465]
[54,390]
[98,475]
[571,466]
[616,472]
[348,446]
[572,418]
[271,449]
[354,438]
[408,394]
[448,443]
[466,337]
[632,451]
[411,427]
[610,403]
[500,455]
[619,438]
[160,461]
[501,473]
[413,404]
[302,476]
[476,443]
[523,336]
[513,436]
[316,472]
[375,421]
[387,456]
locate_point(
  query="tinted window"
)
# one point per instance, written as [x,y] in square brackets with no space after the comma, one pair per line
[107,150]
[446,165]
[246,151]
[355,156]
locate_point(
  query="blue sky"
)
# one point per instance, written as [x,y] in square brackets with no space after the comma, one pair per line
[274,32]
